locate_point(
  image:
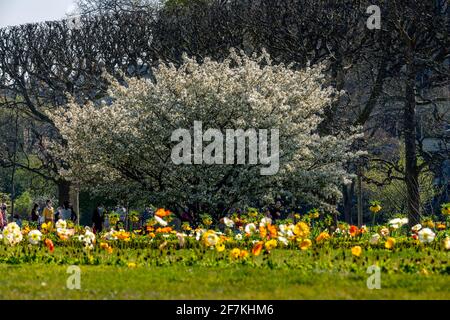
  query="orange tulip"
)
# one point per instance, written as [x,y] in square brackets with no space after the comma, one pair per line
[272,230]
[163,230]
[162,213]
[262,232]
[243,254]
[440,226]
[323,236]
[256,251]
[49,243]
[353,231]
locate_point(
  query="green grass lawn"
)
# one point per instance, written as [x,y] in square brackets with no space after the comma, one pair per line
[243,282]
[304,277]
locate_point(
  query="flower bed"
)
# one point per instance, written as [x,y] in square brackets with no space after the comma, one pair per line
[250,239]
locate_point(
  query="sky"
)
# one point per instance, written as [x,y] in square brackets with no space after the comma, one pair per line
[15,12]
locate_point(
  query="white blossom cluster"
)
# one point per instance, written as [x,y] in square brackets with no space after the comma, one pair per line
[126,144]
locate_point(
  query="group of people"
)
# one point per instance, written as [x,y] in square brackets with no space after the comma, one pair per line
[46,213]
[40,214]
[49,214]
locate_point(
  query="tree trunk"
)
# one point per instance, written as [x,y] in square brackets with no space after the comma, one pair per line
[74,196]
[360,198]
[348,191]
[409,131]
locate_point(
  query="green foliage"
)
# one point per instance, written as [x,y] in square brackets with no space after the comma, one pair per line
[206,219]
[133,215]
[23,204]
[25,180]
[5,197]
[113,218]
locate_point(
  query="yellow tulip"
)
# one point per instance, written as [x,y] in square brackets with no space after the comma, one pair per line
[356,251]
[305,244]
[389,244]
[235,253]
[301,229]
[271,244]
[220,247]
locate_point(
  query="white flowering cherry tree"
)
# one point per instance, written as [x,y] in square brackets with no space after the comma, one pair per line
[126,144]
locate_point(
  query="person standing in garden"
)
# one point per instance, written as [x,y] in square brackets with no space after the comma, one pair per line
[48,212]
[67,212]
[122,212]
[18,220]
[146,215]
[35,213]
[3,215]
[73,214]
[105,219]
[97,219]
[186,216]
[58,213]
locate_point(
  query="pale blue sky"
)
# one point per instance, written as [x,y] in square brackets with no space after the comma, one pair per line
[14,12]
